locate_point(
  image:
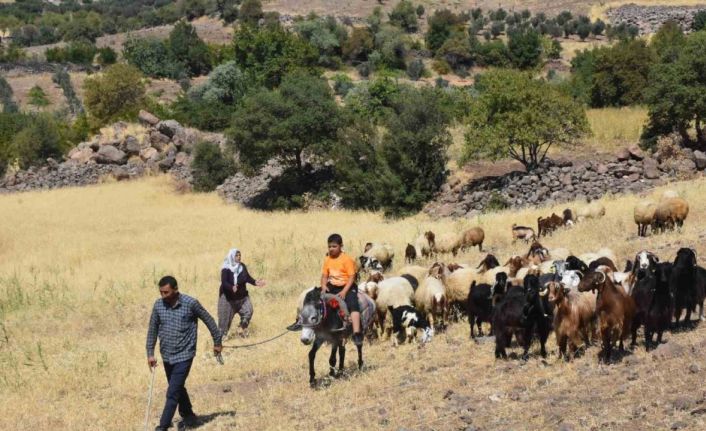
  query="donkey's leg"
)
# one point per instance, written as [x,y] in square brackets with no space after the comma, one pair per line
[341,357]
[312,357]
[332,361]
[360,357]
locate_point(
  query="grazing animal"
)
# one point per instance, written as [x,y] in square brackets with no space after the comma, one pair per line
[430,297]
[602,261]
[594,209]
[410,254]
[424,244]
[671,213]
[644,215]
[574,318]
[548,225]
[568,217]
[448,243]
[458,283]
[481,300]
[573,263]
[688,284]
[615,310]
[406,320]
[488,262]
[472,237]
[511,268]
[537,253]
[668,194]
[522,232]
[524,313]
[377,257]
[654,304]
[391,292]
[645,263]
[321,323]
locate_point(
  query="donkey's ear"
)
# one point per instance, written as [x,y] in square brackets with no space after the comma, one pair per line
[317,289]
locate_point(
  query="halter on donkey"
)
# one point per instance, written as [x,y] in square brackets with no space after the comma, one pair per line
[322,321]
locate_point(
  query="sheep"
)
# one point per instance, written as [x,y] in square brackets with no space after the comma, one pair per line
[391,292]
[424,244]
[594,209]
[458,284]
[410,254]
[574,318]
[472,237]
[669,194]
[377,256]
[670,213]
[448,243]
[522,232]
[418,272]
[644,215]
[430,296]
[409,319]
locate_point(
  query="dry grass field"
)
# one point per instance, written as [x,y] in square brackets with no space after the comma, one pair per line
[78,269]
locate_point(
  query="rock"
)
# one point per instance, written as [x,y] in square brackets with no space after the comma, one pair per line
[636,153]
[668,350]
[131,146]
[181,158]
[602,169]
[650,168]
[700,160]
[169,128]
[694,368]
[81,156]
[566,427]
[149,154]
[158,140]
[108,154]
[166,163]
[121,173]
[147,118]
[622,155]
[682,403]
[678,425]
[686,167]
[135,162]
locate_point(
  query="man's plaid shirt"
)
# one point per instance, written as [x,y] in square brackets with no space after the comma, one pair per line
[176,328]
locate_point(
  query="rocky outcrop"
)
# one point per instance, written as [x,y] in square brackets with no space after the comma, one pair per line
[123,151]
[630,172]
[250,191]
[649,18]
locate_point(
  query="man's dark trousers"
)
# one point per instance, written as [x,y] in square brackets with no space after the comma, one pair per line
[176,392]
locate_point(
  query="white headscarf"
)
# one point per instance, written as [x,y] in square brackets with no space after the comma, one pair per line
[230,263]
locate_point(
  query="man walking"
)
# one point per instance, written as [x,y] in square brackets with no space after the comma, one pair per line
[174,321]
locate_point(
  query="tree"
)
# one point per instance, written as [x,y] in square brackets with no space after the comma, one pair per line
[456,51]
[699,22]
[668,41]
[62,78]
[404,16]
[676,96]
[620,73]
[297,119]
[525,47]
[210,167]
[359,45]
[116,94]
[497,28]
[441,25]
[188,49]
[251,12]
[326,35]
[598,27]
[390,43]
[38,141]
[520,117]
[415,69]
[107,56]
[583,30]
[8,103]
[153,58]
[227,83]
[270,52]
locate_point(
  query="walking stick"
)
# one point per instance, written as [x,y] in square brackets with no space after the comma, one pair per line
[149,400]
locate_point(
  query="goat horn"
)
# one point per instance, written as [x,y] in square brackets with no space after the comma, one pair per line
[604,277]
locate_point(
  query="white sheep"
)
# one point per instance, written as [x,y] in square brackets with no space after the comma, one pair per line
[644,215]
[418,272]
[430,296]
[458,283]
[391,292]
[594,209]
[669,194]
[448,243]
[424,244]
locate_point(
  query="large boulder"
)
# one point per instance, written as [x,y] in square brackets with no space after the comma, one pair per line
[622,155]
[650,168]
[700,159]
[131,146]
[636,153]
[149,154]
[81,156]
[147,118]
[158,140]
[169,128]
[108,154]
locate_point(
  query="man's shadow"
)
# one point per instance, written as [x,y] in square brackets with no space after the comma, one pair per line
[204,419]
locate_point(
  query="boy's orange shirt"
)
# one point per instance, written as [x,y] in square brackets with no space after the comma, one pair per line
[339,270]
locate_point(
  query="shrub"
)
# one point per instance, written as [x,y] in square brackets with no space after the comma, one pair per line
[442,24]
[227,83]
[441,67]
[117,94]
[415,69]
[188,49]
[107,56]
[699,22]
[359,45]
[598,27]
[342,84]
[37,96]
[497,28]
[250,12]
[8,103]
[583,30]
[404,16]
[210,167]
[525,48]
[420,10]
[38,141]
[62,79]
[153,58]
[77,52]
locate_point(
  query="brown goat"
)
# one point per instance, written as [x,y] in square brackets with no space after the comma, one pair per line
[615,310]
[549,224]
[574,318]
[410,254]
[537,253]
[522,232]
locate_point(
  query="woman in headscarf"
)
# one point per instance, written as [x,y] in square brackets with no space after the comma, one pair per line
[233,298]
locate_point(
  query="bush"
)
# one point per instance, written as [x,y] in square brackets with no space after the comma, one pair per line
[525,48]
[415,69]
[326,35]
[78,52]
[62,78]
[250,12]
[420,10]
[699,22]
[153,58]
[117,94]
[441,67]
[497,28]
[342,84]
[37,97]
[38,141]
[198,113]
[442,24]
[227,83]
[8,103]
[359,45]
[404,16]
[188,49]
[598,28]
[583,30]
[210,167]
[107,56]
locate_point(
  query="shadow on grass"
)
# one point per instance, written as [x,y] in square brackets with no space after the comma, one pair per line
[205,419]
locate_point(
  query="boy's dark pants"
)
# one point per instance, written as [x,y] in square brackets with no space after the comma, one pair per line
[176,392]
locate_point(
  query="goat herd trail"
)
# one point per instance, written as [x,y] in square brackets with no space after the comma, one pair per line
[78,268]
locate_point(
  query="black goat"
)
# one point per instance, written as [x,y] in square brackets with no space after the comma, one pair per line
[481,299]
[573,263]
[688,285]
[659,313]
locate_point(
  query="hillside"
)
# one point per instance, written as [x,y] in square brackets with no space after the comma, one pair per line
[78,269]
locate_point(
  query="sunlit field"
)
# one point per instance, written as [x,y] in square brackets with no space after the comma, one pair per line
[614,128]
[78,269]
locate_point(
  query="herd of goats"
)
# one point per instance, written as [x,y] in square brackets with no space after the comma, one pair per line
[583,299]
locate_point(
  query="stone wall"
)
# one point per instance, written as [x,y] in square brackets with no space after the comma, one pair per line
[630,172]
[649,18]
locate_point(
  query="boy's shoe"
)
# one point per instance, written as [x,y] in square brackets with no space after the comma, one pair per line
[358,339]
